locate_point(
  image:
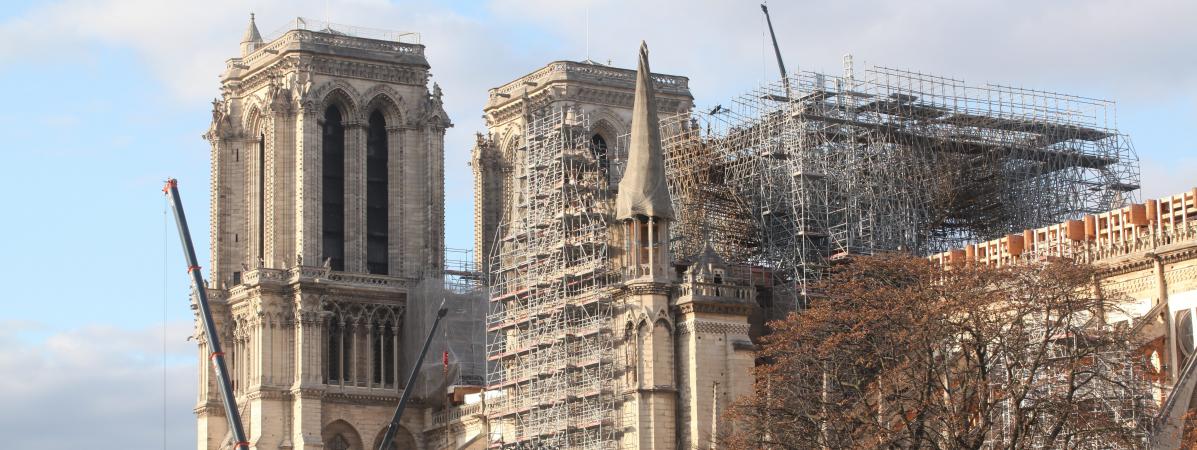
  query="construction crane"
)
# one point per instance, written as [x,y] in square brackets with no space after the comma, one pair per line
[781,65]
[201,296]
[393,427]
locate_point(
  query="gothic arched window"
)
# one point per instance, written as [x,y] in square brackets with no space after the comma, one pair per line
[262,196]
[1184,332]
[382,335]
[598,145]
[376,195]
[333,201]
[335,344]
[338,442]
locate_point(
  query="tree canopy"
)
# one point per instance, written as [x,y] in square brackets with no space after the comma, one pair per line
[900,353]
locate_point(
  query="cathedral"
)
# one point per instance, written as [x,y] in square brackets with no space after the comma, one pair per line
[327,209]
[611,305]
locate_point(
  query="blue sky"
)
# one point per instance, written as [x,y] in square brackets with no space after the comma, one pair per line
[109,97]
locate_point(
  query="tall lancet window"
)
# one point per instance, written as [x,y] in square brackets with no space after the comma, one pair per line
[598,146]
[376,195]
[262,197]
[334,351]
[333,200]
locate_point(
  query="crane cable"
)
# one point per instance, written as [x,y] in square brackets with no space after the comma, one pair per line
[165,274]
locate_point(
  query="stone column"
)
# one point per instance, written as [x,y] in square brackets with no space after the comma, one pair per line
[414,210]
[308,187]
[307,388]
[270,188]
[283,190]
[395,200]
[355,197]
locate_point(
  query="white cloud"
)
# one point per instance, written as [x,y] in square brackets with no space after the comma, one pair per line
[101,387]
[1133,52]
[1106,48]
[97,387]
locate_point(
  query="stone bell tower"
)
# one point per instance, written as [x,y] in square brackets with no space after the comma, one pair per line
[327,206]
[643,213]
[685,345]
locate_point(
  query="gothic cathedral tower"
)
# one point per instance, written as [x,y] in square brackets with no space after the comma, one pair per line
[598,337]
[685,338]
[643,211]
[327,208]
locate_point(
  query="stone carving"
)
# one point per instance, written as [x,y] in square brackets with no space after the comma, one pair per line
[712,327]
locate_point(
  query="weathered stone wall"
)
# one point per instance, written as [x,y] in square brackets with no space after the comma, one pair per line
[272,298]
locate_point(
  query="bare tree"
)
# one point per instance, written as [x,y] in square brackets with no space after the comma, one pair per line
[903,354]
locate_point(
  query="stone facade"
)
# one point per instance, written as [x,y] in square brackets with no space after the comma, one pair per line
[327,207]
[1146,256]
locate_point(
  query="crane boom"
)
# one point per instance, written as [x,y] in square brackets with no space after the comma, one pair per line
[393,427]
[201,295]
[781,65]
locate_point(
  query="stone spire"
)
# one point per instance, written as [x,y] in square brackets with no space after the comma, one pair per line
[252,39]
[643,191]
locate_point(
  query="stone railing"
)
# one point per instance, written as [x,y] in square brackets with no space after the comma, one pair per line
[378,34]
[310,273]
[455,413]
[701,289]
[1091,251]
[562,70]
[1102,249]
[271,49]
[369,280]
[293,36]
[264,275]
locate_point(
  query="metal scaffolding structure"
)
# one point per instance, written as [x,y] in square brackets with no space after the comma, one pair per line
[1109,388]
[549,339]
[897,160]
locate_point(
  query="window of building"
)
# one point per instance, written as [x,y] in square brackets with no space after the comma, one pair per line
[1184,332]
[336,340]
[261,196]
[598,146]
[333,199]
[376,195]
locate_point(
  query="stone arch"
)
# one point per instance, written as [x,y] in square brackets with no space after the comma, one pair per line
[508,145]
[637,316]
[662,353]
[605,122]
[404,439]
[340,94]
[254,121]
[437,120]
[663,316]
[384,99]
[643,336]
[610,133]
[340,435]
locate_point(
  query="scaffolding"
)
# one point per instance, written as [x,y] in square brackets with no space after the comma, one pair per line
[793,179]
[1105,393]
[549,340]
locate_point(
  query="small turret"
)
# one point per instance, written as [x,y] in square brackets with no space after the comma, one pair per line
[252,39]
